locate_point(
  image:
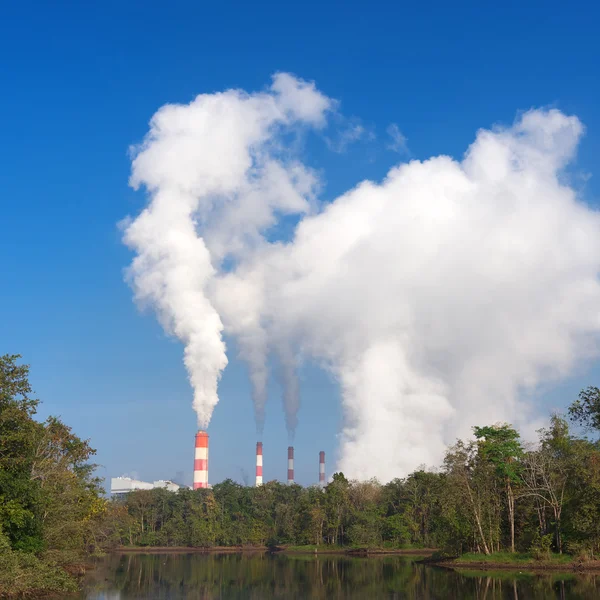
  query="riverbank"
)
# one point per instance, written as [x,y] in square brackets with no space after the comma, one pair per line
[356,551]
[188,549]
[515,562]
[322,550]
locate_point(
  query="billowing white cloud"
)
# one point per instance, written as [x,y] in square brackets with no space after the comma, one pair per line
[439,294]
[435,297]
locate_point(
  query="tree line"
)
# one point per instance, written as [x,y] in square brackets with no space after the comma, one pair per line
[492,492]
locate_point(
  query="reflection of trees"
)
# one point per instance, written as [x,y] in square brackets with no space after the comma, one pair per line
[259,576]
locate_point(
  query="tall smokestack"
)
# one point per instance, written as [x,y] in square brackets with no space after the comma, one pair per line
[259,464]
[321,468]
[291,464]
[201,461]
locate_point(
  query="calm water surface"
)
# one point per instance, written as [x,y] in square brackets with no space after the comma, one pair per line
[227,576]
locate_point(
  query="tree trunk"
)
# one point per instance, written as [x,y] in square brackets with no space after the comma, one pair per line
[511,514]
[557,529]
[477,520]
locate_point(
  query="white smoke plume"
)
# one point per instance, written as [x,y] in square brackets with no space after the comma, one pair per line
[440,294]
[288,373]
[438,298]
[215,182]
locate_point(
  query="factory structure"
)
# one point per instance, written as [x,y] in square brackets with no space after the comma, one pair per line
[291,464]
[259,479]
[201,460]
[321,468]
[122,485]
[119,486]
[201,463]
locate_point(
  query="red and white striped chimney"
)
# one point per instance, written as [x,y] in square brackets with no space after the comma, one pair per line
[201,461]
[321,468]
[291,464]
[259,464]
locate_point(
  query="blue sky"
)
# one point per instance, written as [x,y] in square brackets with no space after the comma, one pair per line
[80,82]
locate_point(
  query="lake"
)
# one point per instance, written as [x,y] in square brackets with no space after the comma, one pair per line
[265,576]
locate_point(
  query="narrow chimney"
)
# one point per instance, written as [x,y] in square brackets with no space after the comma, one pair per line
[201,461]
[291,464]
[321,468]
[259,464]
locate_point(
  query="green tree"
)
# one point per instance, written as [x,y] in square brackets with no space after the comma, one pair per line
[51,509]
[417,499]
[501,445]
[70,500]
[311,517]
[472,486]
[546,472]
[19,494]
[337,503]
[586,409]
[365,513]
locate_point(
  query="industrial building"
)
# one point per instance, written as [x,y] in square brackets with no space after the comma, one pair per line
[119,486]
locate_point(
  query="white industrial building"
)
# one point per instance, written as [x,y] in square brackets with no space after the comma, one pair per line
[120,486]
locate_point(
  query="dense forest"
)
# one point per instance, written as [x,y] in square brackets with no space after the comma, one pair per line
[493,492]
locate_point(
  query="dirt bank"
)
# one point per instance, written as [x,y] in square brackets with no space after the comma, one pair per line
[535,566]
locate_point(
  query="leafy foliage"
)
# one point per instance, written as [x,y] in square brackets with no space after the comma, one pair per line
[50,502]
[586,409]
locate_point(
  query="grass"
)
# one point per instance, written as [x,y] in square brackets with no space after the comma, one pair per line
[526,575]
[335,549]
[516,558]
[314,548]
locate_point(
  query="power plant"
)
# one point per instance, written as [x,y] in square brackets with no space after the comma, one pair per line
[201,463]
[122,485]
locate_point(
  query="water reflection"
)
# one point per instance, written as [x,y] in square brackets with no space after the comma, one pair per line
[262,576]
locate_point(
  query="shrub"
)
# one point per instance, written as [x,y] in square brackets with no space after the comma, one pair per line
[541,546]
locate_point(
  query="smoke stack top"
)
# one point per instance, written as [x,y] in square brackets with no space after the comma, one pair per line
[321,468]
[291,464]
[259,463]
[201,461]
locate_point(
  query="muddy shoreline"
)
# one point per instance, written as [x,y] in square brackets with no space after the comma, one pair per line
[576,566]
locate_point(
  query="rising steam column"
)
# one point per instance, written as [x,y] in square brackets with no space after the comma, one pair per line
[259,464]
[201,461]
